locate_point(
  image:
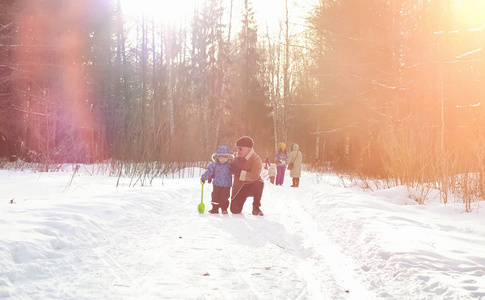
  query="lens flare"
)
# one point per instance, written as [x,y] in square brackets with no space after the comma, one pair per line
[52,80]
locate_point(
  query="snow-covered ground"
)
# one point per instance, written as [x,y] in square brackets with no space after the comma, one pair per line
[92,240]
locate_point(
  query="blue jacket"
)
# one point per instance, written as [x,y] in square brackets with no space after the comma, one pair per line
[220,173]
[279,157]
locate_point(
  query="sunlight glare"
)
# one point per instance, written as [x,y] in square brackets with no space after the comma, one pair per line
[470,13]
[167,10]
[269,13]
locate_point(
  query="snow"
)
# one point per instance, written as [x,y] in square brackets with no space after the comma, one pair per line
[324,240]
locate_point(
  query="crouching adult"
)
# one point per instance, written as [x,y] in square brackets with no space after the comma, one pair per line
[247,177]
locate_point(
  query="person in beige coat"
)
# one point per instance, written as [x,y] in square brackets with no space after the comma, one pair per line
[296,157]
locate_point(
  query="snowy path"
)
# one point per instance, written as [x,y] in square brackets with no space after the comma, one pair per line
[92,240]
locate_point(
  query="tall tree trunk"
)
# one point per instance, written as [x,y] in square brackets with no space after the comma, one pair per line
[144,58]
[442,108]
[286,75]
[230,24]
[272,95]
[155,89]
[160,111]
[170,97]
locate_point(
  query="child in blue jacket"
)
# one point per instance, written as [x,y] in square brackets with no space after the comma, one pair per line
[219,173]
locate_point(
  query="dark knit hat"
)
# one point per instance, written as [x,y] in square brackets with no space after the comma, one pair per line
[245,141]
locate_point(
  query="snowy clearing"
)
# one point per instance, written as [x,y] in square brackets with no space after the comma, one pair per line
[93,240]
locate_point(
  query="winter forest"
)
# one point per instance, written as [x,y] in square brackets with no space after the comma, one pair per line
[376,89]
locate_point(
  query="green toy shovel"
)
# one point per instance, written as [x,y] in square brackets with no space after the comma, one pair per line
[201,206]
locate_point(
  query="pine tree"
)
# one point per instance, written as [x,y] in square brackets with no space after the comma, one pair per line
[250,99]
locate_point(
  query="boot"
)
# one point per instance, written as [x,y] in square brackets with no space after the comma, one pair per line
[214,210]
[294,182]
[297,182]
[257,211]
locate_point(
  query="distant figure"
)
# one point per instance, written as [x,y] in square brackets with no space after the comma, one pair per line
[295,159]
[219,172]
[281,158]
[271,170]
[247,169]
[315,163]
